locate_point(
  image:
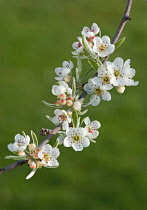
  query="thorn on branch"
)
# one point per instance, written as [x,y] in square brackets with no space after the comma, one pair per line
[44,131]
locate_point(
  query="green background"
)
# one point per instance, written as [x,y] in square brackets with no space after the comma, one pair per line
[35,38]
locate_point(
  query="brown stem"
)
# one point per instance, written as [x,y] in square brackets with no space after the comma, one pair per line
[83,95]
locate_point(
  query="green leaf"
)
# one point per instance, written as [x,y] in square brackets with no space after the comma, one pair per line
[49,118]
[93,64]
[15,157]
[88,48]
[50,105]
[119,42]
[75,119]
[82,113]
[34,137]
[73,87]
[78,69]
[24,134]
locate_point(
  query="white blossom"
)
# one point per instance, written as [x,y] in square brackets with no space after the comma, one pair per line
[105,78]
[97,91]
[90,32]
[20,143]
[62,88]
[61,117]
[78,46]
[64,70]
[122,72]
[91,128]
[102,46]
[48,155]
[76,137]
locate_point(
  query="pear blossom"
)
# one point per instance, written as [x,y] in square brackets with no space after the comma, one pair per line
[102,46]
[62,88]
[20,143]
[48,155]
[76,137]
[78,46]
[61,117]
[91,128]
[98,91]
[90,32]
[122,72]
[64,70]
[105,78]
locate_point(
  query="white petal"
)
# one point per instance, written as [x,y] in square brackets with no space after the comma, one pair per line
[31,174]
[111,48]
[87,121]
[106,96]
[85,142]
[27,140]
[118,62]
[77,146]
[18,137]
[55,152]
[93,135]
[95,124]
[65,125]
[68,142]
[95,100]
[106,40]
[52,162]
[60,139]
[11,147]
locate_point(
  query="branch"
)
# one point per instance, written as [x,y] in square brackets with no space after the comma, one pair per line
[83,95]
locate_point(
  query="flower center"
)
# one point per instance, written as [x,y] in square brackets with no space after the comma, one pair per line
[102,48]
[46,157]
[21,143]
[98,91]
[116,73]
[90,129]
[63,117]
[79,44]
[106,80]
[76,138]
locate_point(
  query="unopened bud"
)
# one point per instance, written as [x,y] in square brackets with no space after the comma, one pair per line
[69,103]
[63,102]
[62,96]
[70,98]
[32,147]
[69,113]
[120,89]
[57,103]
[32,165]
[77,105]
[67,78]
[21,153]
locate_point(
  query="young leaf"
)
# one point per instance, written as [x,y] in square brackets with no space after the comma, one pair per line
[50,118]
[24,134]
[75,119]
[73,87]
[93,64]
[31,174]
[87,47]
[82,113]
[119,42]
[50,105]
[34,137]
[79,68]
[15,157]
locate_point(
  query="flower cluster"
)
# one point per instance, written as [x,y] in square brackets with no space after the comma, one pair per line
[75,132]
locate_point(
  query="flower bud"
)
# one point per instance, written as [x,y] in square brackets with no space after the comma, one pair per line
[67,78]
[63,102]
[32,164]
[69,103]
[57,103]
[77,105]
[21,153]
[62,96]
[120,89]
[69,113]
[32,147]
[70,98]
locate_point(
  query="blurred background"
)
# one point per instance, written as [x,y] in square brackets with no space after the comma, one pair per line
[35,38]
